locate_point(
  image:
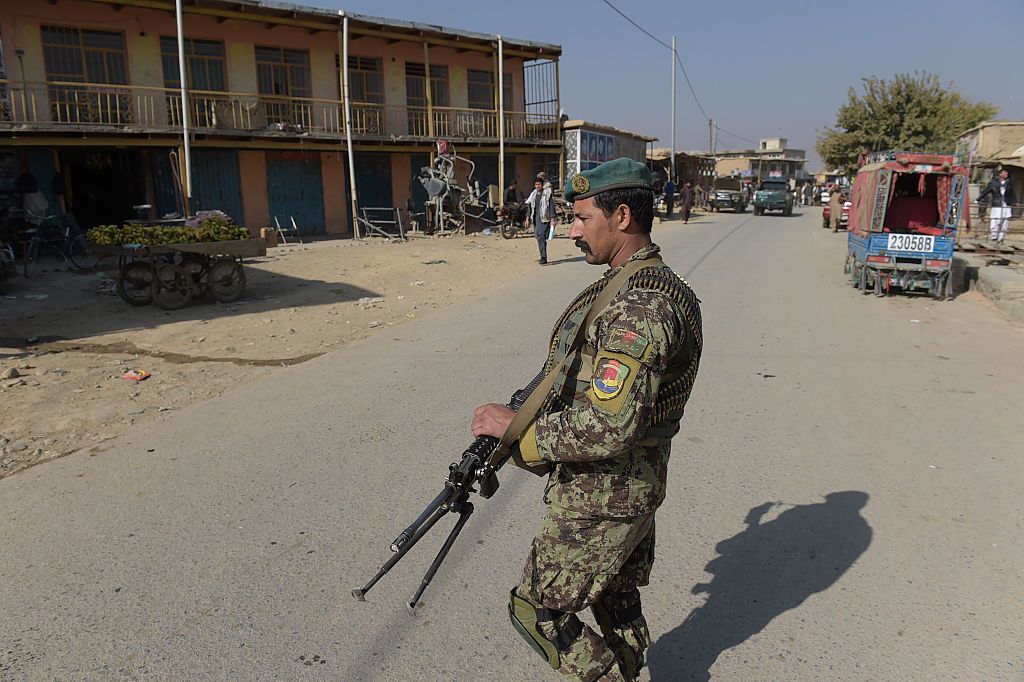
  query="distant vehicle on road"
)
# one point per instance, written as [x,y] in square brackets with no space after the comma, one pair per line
[773,195]
[728,193]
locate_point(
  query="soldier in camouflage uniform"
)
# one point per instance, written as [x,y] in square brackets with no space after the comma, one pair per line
[603,434]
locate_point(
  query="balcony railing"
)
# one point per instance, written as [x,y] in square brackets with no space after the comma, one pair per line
[68,104]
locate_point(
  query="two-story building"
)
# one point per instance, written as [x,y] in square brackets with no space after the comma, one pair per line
[773,156]
[90,104]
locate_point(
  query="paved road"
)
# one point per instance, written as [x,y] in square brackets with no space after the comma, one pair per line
[845,498]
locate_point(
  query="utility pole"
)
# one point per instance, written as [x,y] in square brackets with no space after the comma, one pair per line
[672,151]
[183,86]
[711,136]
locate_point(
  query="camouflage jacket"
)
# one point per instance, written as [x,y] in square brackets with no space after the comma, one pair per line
[594,426]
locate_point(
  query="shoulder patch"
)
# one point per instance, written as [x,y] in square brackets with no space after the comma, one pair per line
[609,378]
[627,342]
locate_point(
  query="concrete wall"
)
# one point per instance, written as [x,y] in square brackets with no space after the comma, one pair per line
[727,166]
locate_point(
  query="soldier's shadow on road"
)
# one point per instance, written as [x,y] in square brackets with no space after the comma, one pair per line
[766,570]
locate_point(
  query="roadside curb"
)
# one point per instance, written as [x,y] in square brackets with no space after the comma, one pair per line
[1004,286]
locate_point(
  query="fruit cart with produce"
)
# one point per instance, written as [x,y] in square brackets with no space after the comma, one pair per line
[173,265]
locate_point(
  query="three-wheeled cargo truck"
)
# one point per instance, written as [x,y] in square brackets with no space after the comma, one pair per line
[903,223]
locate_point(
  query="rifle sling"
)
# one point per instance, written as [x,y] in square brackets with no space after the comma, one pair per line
[528,412]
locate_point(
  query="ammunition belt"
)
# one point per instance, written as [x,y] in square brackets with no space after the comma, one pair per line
[673,394]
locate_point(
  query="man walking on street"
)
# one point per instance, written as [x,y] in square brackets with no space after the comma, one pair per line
[687,201]
[542,212]
[624,356]
[835,207]
[1003,198]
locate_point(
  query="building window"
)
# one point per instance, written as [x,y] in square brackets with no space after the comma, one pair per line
[366,91]
[283,76]
[74,55]
[508,93]
[205,65]
[204,61]
[416,94]
[367,80]
[415,85]
[481,89]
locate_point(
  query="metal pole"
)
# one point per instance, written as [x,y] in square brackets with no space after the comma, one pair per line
[711,135]
[430,95]
[348,127]
[672,152]
[183,78]
[501,118]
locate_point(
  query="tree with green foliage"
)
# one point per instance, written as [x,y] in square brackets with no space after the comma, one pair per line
[911,112]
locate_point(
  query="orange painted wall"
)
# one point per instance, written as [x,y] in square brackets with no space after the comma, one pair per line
[401,179]
[332,170]
[252,169]
[524,173]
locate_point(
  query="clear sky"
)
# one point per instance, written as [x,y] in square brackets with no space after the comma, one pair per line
[760,69]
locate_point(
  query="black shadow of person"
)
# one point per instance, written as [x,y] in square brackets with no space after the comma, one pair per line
[767,569]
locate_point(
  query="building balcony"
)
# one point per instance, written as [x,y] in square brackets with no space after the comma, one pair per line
[67,106]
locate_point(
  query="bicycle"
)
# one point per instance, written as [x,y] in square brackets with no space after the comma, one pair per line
[61,235]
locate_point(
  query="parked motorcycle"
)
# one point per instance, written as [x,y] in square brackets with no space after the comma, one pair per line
[513,220]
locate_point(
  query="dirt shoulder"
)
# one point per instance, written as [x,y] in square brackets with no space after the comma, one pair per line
[70,338]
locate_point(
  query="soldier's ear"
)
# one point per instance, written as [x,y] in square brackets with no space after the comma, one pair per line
[624,215]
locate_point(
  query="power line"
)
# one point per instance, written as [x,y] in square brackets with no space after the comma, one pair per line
[667,46]
[690,85]
[641,28]
[731,134]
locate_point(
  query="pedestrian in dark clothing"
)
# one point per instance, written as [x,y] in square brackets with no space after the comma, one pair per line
[687,201]
[511,193]
[670,197]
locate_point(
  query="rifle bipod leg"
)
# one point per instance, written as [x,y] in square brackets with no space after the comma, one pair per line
[433,518]
[465,511]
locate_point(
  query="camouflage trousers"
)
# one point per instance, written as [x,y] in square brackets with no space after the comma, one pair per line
[579,561]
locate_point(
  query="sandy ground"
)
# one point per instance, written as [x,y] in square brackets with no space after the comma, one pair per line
[70,338]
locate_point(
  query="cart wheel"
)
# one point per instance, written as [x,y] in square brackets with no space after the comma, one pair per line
[172,287]
[135,283]
[198,268]
[227,280]
[508,231]
[80,255]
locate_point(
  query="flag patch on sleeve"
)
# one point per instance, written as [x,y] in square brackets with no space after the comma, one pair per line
[628,342]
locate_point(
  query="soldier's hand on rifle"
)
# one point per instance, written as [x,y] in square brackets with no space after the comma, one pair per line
[491,419]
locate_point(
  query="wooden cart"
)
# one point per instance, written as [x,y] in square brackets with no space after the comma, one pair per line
[174,274]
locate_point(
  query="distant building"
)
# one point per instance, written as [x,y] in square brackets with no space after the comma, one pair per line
[990,146]
[773,156]
[90,104]
[833,177]
[694,166]
[588,144]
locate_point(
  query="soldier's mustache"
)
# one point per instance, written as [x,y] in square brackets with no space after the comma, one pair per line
[582,246]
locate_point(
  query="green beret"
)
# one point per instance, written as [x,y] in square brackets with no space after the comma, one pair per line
[615,174]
